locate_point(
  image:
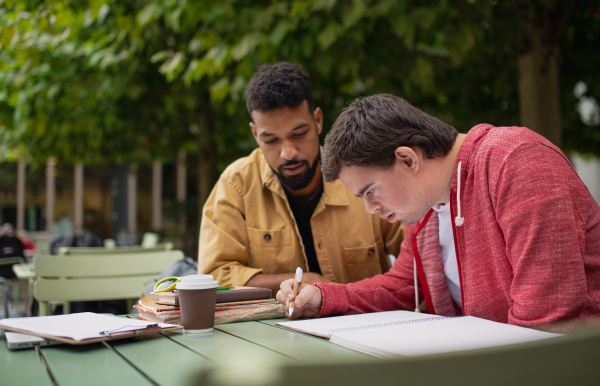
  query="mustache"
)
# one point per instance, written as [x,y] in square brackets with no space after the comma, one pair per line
[292,163]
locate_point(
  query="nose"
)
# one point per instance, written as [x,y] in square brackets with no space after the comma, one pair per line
[288,151]
[372,207]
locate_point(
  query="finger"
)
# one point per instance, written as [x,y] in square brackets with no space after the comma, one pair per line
[284,300]
[286,286]
[280,296]
[305,293]
[287,289]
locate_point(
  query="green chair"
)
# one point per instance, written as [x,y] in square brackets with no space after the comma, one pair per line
[63,279]
[149,239]
[87,251]
[12,260]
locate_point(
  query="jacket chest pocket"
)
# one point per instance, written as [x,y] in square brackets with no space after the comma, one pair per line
[362,262]
[270,249]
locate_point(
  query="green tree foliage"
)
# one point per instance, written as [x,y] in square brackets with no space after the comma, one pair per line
[460,60]
[580,63]
[138,80]
[349,48]
[78,83]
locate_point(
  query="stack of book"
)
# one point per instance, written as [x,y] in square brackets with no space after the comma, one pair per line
[236,304]
[150,310]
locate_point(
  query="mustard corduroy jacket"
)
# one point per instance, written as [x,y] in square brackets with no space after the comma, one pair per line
[248,228]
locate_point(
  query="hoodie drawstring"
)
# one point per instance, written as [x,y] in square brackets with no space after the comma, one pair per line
[416,286]
[458,220]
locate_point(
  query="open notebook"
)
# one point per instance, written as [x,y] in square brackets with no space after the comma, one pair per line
[405,333]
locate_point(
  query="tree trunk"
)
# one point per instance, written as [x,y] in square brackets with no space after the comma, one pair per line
[539,87]
[541,25]
[207,160]
[181,190]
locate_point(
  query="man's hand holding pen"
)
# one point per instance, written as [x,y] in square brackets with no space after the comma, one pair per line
[306,304]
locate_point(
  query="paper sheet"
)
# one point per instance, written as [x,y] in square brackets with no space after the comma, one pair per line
[435,336]
[81,326]
[323,327]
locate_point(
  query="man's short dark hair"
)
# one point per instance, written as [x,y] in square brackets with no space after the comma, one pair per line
[276,86]
[369,131]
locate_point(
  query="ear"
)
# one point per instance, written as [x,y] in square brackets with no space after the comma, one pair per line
[254,132]
[319,119]
[408,159]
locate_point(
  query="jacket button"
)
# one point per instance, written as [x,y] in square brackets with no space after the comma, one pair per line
[267,237]
[371,251]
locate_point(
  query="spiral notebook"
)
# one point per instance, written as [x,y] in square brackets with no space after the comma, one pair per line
[405,333]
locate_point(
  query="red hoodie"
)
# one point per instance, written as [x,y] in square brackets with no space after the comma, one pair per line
[527,248]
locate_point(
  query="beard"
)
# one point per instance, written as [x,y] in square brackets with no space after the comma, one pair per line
[298,181]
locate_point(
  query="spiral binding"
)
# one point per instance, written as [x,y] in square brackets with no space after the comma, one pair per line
[399,323]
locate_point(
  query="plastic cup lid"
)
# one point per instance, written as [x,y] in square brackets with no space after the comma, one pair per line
[197,282]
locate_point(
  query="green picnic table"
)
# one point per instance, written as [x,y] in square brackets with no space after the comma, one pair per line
[260,353]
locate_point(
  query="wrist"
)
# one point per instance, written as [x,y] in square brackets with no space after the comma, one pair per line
[333,299]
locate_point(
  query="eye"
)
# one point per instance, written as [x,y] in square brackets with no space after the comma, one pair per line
[299,135]
[370,192]
[271,141]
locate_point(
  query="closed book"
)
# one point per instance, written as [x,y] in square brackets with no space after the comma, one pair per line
[150,317]
[236,294]
[153,302]
[169,298]
[155,311]
[249,312]
[243,302]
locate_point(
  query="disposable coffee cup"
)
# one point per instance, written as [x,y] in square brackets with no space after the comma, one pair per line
[197,299]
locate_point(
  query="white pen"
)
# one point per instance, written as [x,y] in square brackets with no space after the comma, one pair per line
[296,284]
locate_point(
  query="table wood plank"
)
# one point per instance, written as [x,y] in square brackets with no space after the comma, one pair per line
[219,347]
[21,367]
[163,360]
[96,364]
[301,347]
[272,322]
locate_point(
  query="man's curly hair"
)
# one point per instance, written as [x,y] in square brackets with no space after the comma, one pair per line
[277,86]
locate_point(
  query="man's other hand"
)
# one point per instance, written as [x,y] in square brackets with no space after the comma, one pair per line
[311,277]
[273,281]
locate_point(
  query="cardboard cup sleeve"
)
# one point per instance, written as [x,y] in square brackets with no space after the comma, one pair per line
[197,308]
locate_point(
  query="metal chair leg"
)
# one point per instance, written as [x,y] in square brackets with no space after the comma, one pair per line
[5,287]
[16,290]
[44,309]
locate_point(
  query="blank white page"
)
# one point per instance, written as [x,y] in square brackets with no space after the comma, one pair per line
[322,327]
[435,336]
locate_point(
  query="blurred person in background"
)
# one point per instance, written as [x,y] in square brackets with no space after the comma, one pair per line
[10,246]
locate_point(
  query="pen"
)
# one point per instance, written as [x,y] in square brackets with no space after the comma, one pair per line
[223,288]
[116,331]
[296,284]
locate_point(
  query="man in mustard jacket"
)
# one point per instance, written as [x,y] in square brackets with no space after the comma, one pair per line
[271,212]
